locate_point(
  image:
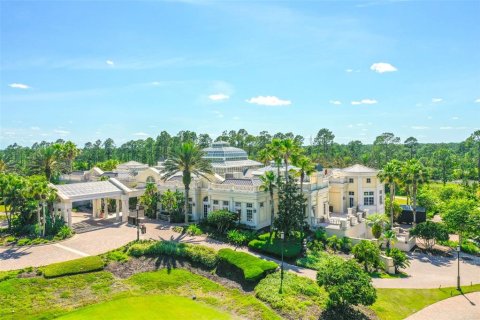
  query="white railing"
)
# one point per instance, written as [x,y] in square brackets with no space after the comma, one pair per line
[228,187]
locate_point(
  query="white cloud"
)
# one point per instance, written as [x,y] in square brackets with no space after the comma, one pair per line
[218,97]
[455,118]
[335,102]
[382,67]
[419,127]
[349,70]
[236,118]
[110,62]
[477,101]
[61,132]
[19,86]
[35,128]
[429,117]
[437,100]
[218,113]
[365,101]
[446,128]
[269,101]
[141,134]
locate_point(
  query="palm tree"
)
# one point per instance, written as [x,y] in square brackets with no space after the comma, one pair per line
[69,153]
[275,150]
[39,190]
[265,156]
[415,174]
[390,174]
[269,185]
[306,168]
[46,162]
[391,237]
[288,148]
[187,159]
[377,221]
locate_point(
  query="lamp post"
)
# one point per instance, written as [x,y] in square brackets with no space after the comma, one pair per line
[282,237]
[458,269]
[138,225]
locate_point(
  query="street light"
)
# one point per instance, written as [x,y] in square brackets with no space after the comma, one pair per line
[458,269]
[138,225]
[282,237]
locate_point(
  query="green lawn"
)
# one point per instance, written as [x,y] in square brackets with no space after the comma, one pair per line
[148,307]
[396,304]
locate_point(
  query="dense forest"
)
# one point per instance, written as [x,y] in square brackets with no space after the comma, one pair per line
[446,161]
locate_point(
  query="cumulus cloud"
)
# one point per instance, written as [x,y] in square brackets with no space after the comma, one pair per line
[335,102]
[477,101]
[437,100]
[382,67]
[19,86]
[141,134]
[269,101]
[110,62]
[364,101]
[218,97]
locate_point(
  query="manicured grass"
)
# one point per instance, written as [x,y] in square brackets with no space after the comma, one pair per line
[396,304]
[148,307]
[82,265]
[272,245]
[301,298]
[384,275]
[253,268]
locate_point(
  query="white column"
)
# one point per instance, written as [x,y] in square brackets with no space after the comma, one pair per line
[105,208]
[257,213]
[69,213]
[117,209]
[125,212]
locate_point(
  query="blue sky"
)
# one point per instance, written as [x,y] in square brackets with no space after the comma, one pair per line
[90,70]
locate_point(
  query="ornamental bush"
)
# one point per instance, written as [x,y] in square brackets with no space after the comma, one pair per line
[222,220]
[292,247]
[253,268]
[82,265]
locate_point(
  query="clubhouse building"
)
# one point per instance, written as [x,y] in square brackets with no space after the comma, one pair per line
[337,199]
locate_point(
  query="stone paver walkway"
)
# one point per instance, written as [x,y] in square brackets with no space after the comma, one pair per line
[425,271]
[465,307]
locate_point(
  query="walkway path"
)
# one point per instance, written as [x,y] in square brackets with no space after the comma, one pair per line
[425,271]
[465,307]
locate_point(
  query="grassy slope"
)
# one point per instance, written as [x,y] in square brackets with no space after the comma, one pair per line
[393,304]
[148,307]
[48,298]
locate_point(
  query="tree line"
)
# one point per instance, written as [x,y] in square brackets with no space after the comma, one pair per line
[447,161]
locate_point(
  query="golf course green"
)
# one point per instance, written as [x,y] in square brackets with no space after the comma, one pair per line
[148,307]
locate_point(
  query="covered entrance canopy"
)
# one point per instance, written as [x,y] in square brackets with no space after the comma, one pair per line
[94,191]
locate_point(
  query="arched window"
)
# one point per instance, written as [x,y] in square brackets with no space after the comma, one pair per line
[205,199]
[150,179]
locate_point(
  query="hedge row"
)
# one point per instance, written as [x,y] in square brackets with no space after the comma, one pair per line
[82,265]
[195,253]
[253,268]
[272,245]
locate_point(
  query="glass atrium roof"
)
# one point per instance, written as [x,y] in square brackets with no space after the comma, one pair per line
[221,151]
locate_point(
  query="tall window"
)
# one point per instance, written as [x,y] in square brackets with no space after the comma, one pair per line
[369,180]
[225,205]
[368,199]
[350,180]
[249,212]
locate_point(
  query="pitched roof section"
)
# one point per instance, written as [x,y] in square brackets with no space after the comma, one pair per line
[358,168]
[91,190]
[243,182]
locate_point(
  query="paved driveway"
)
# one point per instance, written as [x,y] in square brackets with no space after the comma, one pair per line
[425,271]
[465,307]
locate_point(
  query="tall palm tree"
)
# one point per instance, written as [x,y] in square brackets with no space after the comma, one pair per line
[265,156]
[187,159]
[391,237]
[276,149]
[415,174]
[305,168]
[288,148]
[69,153]
[45,162]
[39,190]
[269,185]
[391,174]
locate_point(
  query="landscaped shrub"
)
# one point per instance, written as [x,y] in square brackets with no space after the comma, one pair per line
[24,242]
[63,233]
[301,298]
[292,246]
[195,253]
[253,268]
[82,265]
[312,259]
[194,230]
[240,237]
[471,248]
[222,220]
[117,255]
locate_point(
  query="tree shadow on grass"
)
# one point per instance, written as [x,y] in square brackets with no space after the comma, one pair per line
[343,313]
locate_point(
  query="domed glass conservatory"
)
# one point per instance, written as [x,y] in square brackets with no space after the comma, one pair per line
[228,160]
